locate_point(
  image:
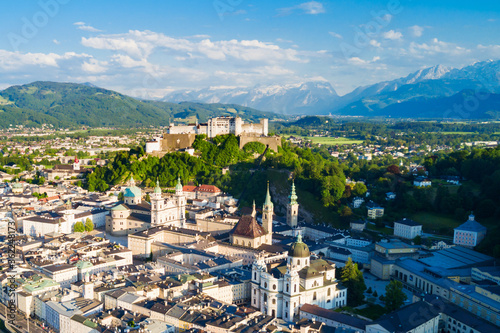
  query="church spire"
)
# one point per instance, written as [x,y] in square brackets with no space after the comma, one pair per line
[254,212]
[293,196]
[268,203]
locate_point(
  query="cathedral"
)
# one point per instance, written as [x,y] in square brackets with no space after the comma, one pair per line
[280,288]
[135,215]
[248,232]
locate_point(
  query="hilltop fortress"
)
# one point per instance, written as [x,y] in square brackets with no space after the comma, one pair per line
[183,136]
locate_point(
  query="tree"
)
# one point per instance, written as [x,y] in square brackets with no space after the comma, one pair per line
[89,225]
[359,190]
[417,240]
[394,295]
[394,169]
[78,227]
[375,294]
[352,278]
[148,198]
[120,196]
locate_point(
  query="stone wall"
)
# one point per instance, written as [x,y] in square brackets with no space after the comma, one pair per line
[172,142]
[273,142]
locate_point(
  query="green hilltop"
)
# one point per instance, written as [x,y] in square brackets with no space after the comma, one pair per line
[76,105]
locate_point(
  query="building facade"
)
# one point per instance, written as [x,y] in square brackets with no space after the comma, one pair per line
[470,233]
[280,288]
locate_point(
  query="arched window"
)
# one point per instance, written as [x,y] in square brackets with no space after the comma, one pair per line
[314,296]
[274,287]
[298,261]
[294,288]
[274,300]
[329,292]
[249,244]
[265,285]
[286,306]
[255,276]
[255,291]
[265,297]
[287,288]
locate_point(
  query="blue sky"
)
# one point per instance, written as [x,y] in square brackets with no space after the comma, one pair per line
[148,48]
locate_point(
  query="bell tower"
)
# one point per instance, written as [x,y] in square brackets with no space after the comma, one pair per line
[267,217]
[292,209]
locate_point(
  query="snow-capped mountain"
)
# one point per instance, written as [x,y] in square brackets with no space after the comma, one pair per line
[435,88]
[308,97]
[444,84]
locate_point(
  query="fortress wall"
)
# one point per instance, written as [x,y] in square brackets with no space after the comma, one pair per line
[273,142]
[171,142]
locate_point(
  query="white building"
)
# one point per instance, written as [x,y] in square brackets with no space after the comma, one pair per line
[407,228]
[470,233]
[280,288]
[222,125]
[64,274]
[422,182]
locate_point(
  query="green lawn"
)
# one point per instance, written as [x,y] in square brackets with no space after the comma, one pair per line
[383,230]
[372,311]
[434,222]
[457,133]
[327,140]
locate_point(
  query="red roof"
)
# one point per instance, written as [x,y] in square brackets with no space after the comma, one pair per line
[247,226]
[47,199]
[208,188]
[189,188]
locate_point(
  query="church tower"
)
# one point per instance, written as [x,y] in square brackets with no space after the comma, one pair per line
[267,217]
[88,287]
[181,202]
[76,164]
[156,201]
[292,209]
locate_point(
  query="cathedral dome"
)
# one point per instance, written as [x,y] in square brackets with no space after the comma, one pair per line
[299,249]
[132,192]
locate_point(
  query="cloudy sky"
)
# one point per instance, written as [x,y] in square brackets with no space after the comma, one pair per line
[148,48]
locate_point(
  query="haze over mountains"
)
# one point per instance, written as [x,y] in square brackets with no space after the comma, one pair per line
[429,92]
[472,92]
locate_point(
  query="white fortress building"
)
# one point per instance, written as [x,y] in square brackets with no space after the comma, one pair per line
[280,288]
[222,125]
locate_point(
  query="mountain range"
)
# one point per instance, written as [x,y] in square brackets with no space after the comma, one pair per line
[435,92]
[71,104]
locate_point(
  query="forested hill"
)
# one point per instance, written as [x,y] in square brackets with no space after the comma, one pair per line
[73,105]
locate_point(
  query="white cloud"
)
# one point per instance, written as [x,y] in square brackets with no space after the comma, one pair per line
[85,27]
[55,41]
[392,35]
[416,30]
[16,60]
[374,43]
[140,44]
[311,8]
[336,35]
[94,66]
[436,46]
[360,62]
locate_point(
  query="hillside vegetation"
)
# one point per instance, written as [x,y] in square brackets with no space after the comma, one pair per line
[77,105]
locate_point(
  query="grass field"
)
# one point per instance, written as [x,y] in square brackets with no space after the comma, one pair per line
[457,133]
[332,141]
[436,223]
[383,230]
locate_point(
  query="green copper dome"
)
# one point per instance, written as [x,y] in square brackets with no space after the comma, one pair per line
[157,188]
[299,249]
[178,187]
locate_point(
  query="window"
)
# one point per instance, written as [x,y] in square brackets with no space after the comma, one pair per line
[287,288]
[286,306]
[274,287]
[255,276]
[265,284]
[298,261]
[329,292]
[265,297]
[274,300]
[314,296]
[294,288]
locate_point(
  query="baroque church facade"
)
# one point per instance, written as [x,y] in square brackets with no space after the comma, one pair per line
[135,215]
[280,288]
